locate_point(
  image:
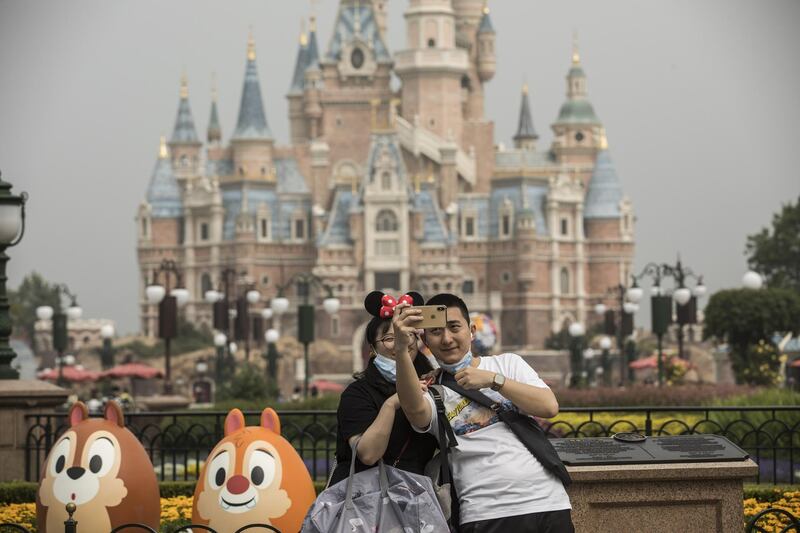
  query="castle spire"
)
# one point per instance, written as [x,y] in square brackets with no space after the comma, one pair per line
[313,49]
[214,133]
[298,79]
[577,109]
[184,131]
[576,56]
[252,122]
[604,192]
[526,136]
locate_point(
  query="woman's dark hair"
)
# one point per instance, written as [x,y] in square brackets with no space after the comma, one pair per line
[374,328]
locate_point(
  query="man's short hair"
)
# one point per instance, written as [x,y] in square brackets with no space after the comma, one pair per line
[450,300]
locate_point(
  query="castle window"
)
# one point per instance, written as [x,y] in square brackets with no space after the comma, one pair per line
[357,58]
[387,247]
[505,225]
[205,283]
[386,221]
[334,326]
[579,136]
[431,43]
[469,226]
[435,287]
[144,227]
[204,233]
[386,181]
[299,229]
[505,277]
[241,171]
[184,161]
[263,171]
[564,226]
[564,281]
[468,287]
[265,281]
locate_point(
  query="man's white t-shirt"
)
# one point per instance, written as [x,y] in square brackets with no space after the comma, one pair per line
[495,475]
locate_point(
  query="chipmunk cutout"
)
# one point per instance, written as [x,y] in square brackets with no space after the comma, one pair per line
[253,476]
[102,468]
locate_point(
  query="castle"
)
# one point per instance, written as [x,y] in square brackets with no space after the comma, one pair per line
[393,189]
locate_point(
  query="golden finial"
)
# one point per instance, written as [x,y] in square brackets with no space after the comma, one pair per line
[213,86]
[486,7]
[184,86]
[162,149]
[303,36]
[576,56]
[603,139]
[525,88]
[251,46]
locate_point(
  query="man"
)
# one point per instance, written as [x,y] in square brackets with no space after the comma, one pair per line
[501,486]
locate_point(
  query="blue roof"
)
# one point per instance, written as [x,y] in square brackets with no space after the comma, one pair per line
[184,131]
[300,64]
[290,180]
[312,60]
[214,129]
[434,227]
[604,193]
[486,24]
[163,193]
[480,206]
[535,197]
[219,167]
[338,228]
[252,122]
[344,31]
[577,111]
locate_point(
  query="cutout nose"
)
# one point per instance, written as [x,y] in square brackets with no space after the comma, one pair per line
[237,484]
[75,472]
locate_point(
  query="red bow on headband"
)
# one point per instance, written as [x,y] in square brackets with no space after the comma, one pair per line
[389,303]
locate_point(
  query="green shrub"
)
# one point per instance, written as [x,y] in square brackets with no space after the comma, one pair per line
[767,493]
[771,427]
[646,396]
[25,491]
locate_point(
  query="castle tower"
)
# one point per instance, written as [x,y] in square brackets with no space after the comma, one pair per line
[487,61]
[432,68]
[608,222]
[297,122]
[312,81]
[525,138]
[214,133]
[379,8]
[184,144]
[252,140]
[577,127]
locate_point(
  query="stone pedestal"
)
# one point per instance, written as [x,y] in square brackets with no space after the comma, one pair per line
[17,399]
[660,498]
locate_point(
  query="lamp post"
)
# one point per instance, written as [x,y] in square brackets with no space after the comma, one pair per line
[576,332]
[220,340]
[271,336]
[12,228]
[661,302]
[605,347]
[59,324]
[168,301]
[107,353]
[305,312]
[621,328]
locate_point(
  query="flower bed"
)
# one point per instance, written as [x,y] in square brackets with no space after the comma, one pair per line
[788,501]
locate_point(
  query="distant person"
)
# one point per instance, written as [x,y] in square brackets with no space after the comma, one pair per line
[501,486]
[296,393]
[314,391]
[95,404]
[369,408]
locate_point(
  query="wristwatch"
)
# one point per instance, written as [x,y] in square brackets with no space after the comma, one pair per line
[498,381]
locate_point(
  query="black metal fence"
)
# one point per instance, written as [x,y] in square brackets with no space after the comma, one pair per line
[179,442]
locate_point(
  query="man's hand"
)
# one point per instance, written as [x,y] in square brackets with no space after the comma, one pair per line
[472,378]
[403,325]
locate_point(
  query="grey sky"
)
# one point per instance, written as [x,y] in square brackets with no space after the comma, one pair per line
[700,101]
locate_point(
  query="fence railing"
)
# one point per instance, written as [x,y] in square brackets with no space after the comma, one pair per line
[178,442]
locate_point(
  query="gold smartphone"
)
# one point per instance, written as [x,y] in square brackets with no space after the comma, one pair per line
[433,316]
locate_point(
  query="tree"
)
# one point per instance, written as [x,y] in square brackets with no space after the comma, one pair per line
[775,253]
[33,292]
[746,319]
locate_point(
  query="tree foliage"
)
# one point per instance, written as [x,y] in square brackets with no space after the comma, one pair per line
[775,252]
[745,318]
[34,291]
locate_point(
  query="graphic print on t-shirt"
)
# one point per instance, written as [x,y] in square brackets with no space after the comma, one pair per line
[466,416]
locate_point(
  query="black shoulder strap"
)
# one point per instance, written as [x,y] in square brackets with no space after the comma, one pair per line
[446,435]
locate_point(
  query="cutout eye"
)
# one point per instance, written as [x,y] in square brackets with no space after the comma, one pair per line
[101,456]
[58,458]
[218,470]
[261,468]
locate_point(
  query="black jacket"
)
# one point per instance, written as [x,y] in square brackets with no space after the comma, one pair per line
[359,406]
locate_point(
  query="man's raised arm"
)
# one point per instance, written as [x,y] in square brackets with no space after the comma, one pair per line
[413,403]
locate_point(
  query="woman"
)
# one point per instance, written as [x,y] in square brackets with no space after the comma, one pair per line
[369,407]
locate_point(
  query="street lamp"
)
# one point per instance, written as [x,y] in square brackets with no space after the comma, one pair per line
[271,336]
[59,324]
[168,301]
[107,354]
[220,340]
[12,228]
[626,303]
[305,312]
[576,332]
[605,346]
[752,280]
[661,302]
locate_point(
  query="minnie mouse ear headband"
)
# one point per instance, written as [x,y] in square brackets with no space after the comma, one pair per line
[382,305]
